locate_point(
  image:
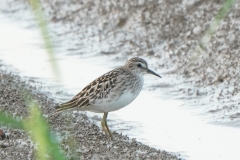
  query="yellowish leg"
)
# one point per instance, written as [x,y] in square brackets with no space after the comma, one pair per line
[105,126]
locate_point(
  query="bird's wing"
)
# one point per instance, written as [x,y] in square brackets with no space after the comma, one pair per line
[98,89]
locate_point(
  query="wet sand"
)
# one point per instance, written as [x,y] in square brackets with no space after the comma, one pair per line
[80,138]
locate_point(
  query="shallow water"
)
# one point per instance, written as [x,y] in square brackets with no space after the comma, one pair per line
[153,118]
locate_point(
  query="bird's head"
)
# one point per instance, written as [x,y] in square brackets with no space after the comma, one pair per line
[139,66]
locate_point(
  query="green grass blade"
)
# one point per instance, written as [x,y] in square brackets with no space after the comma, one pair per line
[40,133]
[8,120]
[227,5]
[42,23]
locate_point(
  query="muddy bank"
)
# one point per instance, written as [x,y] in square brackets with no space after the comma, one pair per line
[80,138]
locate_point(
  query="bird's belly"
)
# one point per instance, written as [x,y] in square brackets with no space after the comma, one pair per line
[118,98]
[113,104]
[122,101]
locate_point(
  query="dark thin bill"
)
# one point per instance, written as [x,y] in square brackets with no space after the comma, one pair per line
[153,73]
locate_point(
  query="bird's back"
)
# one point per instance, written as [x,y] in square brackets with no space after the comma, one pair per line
[111,91]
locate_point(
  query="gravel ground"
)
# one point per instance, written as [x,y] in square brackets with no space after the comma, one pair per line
[80,138]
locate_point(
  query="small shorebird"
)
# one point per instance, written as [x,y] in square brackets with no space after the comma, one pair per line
[112,91]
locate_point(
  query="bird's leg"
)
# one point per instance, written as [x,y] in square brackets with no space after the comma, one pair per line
[110,134]
[105,126]
[103,123]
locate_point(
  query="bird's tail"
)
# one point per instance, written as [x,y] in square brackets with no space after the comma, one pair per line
[64,106]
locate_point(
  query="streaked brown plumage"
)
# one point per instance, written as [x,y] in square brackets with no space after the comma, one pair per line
[112,91]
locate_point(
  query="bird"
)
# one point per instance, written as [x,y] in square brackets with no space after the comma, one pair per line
[111,91]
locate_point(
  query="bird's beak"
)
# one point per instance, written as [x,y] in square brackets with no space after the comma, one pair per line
[153,73]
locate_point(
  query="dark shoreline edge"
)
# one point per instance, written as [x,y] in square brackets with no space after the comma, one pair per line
[80,138]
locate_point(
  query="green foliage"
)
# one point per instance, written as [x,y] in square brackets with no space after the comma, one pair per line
[9,120]
[40,133]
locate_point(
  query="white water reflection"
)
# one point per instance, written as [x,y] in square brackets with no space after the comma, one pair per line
[164,124]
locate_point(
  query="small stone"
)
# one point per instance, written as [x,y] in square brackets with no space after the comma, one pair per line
[197,30]
[3,145]
[2,135]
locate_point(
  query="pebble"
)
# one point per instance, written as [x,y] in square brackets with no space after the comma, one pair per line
[197,30]
[2,135]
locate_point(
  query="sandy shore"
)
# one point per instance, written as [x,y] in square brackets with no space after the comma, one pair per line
[80,138]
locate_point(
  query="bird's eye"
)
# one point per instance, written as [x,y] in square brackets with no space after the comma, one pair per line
[139,65]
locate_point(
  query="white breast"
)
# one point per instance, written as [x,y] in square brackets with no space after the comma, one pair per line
[122,101]
[116,103]
[113,105]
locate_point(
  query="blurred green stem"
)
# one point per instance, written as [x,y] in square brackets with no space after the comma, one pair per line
[227,5]
[40,133]
[42,23]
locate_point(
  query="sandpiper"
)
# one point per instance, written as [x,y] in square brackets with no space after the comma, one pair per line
[112,91]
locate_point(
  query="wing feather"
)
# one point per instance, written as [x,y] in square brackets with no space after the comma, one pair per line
[98,89]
